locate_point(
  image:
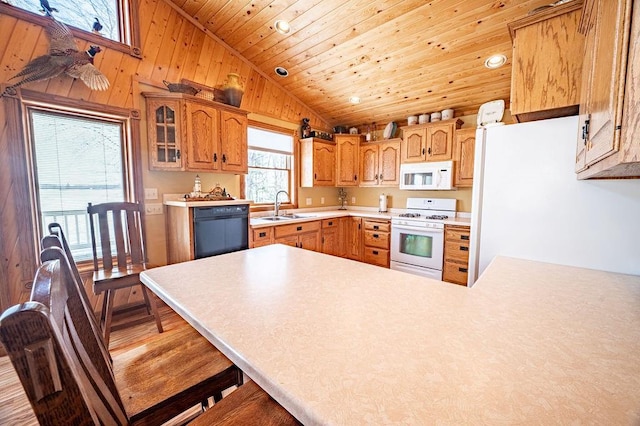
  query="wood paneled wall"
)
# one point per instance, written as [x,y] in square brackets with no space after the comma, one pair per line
[173,47]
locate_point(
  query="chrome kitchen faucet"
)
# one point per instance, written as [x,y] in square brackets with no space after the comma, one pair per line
[276,206]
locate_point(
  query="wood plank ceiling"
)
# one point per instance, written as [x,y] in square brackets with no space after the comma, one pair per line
[401,57]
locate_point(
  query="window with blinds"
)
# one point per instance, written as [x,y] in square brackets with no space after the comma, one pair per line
[270,165]
[76,160]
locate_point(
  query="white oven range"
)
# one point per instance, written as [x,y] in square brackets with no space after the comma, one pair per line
[417,236]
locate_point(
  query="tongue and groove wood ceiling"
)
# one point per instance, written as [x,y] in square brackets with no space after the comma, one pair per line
[401,57]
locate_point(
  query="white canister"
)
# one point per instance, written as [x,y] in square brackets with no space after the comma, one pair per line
[423,118]
[435,116]
[353,131]
[447,114]
[412,119]
[383,203]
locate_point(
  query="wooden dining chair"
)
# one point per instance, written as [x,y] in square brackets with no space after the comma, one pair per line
[66,379]
[117,240]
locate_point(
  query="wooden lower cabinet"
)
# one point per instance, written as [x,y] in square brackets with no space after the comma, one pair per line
[305,235]
[332,237]
[362,239]
[353,238]
[376,242]
[261,237]
[456,254]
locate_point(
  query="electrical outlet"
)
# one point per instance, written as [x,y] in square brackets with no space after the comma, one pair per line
[309,201]
[321,200]
[353,200]
[153,208]
[151,193]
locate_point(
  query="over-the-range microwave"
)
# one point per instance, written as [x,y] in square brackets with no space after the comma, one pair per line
[436,175]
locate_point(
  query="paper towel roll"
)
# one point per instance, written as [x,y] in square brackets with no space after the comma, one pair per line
[383,203]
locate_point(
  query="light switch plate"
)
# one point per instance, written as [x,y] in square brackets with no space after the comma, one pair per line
[153,208]
[151,193]
[321,200]
[309,201]
[353,200]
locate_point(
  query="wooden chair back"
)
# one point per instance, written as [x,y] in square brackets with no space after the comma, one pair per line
[122,223]
[53,351]
[58,240]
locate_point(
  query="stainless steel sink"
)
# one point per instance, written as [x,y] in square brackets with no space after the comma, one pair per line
[287,217]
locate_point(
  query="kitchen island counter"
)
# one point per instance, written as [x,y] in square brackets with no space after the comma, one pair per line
[342,342]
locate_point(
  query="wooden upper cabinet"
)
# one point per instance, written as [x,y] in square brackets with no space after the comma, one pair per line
[164,134]
[608,143]
[233,142]
[347,157]
[440,141]
[189,133]
[414,145]
[317,162]
[348,153]
[547,63]
[380,163]
[429,142]
[202,136]
[463,157]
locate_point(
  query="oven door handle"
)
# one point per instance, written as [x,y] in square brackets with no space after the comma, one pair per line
[418,230]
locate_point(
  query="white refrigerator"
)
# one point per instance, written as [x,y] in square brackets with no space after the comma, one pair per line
[527,202]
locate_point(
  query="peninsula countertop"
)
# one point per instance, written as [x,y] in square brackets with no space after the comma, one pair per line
[342,342]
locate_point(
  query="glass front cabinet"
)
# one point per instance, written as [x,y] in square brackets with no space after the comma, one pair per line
[164,134]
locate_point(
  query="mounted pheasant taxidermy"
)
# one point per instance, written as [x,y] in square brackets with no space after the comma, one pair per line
[63,57]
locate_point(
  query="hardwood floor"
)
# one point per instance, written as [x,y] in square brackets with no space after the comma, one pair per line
[14,405]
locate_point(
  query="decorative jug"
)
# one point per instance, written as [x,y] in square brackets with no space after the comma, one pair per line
[233,90]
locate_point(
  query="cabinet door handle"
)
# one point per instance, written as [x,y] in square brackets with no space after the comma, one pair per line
[299,228]
[262,234]
[376,227]
[376,236]
[355,177]
[178,154]
[315,176]
[224,158]
[423,151]
[429,151]
[462,269]
[380,176]
[376,176]
[296,244]
[585,130]
[215,157]
[463,248]
[464,237]
[331,223]
[300,244]
[375,252]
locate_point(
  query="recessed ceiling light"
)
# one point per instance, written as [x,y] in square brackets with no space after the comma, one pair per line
[282,27]
[282,72]
[495,61]
[354,99]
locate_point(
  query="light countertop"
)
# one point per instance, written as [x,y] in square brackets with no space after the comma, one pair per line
[183,203]
[342,342]
[311,215]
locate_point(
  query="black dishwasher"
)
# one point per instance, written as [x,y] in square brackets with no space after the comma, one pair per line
[220,229]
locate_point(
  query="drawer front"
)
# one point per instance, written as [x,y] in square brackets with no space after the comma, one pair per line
[262,235]
[455,273]
[330,223]
[373,225]
[297,228]
[457,234]
[457,251]
[376,256]
[376,239]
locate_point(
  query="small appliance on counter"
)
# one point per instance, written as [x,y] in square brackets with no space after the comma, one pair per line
[342,197]
[383,203]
